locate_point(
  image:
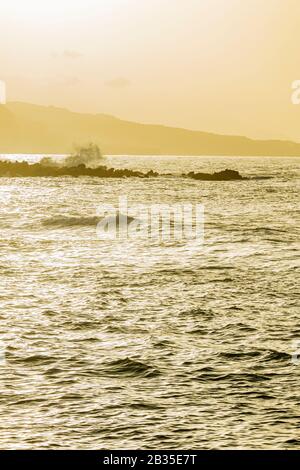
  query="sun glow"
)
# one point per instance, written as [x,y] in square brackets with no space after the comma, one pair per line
[192,64]
[47,11]
[2,92]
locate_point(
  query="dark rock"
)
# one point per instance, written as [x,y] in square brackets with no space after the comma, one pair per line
[25,169]
[224,175]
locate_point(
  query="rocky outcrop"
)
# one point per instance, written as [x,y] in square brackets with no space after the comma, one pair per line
[24,169]
[224,175]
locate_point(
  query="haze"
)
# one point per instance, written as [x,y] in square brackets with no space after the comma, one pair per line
[215,65]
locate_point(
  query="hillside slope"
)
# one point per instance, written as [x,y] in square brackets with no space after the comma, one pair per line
[26,128]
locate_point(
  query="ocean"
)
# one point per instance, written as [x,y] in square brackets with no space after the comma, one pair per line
[106,346]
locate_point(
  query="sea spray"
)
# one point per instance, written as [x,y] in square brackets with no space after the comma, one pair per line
[89,155]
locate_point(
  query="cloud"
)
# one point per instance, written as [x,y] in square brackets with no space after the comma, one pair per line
[70,54]
[72,81]
[118,83]
[67,54]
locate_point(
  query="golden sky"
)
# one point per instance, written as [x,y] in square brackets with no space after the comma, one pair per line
[216,65]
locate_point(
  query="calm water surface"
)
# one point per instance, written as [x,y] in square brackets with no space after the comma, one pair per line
[161,346]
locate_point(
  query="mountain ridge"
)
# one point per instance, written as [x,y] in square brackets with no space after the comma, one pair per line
[30,128]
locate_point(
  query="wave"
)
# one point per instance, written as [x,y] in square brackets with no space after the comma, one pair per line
[71,221]
[273,355]
[92,221]
[234,377]
[269,230]
[265,356]
[90,156]
[239,355]
[131,368]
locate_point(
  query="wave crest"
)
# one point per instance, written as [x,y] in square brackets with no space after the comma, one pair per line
[131,368]
[71,221]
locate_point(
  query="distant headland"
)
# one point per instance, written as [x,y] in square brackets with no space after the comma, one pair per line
[27,128]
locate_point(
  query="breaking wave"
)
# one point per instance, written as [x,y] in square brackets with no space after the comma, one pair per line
[71,221]
[67,221]
[90,156]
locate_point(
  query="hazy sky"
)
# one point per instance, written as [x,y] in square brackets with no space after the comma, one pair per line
[218,65]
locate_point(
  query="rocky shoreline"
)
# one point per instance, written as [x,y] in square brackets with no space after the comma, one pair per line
[23,169]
